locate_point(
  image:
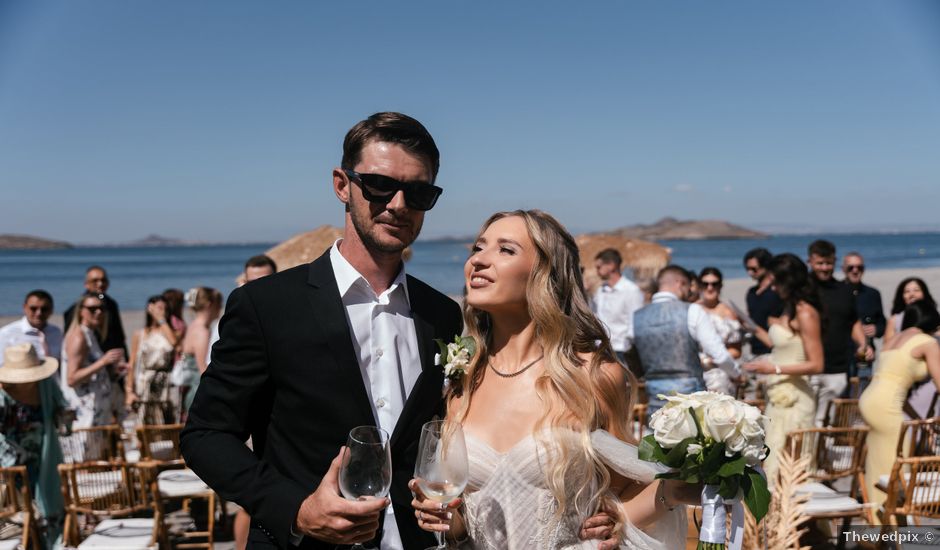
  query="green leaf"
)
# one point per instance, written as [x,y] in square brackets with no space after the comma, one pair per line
[469,343]
[650,450]
[669,475]
[713,459]
[757,497]
[676,456]
[733,468]
[729,487]
[698,427]
[443,347]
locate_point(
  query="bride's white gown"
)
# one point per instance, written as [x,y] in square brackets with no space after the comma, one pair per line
[508,505]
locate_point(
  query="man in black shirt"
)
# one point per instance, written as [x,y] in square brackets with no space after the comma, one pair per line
[762,301]
[867,299]
[842,331]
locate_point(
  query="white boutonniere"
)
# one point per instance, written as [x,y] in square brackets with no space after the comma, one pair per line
[455,357]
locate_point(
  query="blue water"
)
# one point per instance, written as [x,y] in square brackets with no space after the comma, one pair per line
[137,273]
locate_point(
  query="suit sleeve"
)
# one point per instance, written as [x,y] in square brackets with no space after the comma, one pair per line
[880,321]
[225,407]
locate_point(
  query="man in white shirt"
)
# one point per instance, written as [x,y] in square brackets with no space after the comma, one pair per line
[668,334]
[615,302]
[34,328]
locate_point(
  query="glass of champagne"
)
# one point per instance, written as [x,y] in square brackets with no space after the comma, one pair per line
[441,469]
[366,471]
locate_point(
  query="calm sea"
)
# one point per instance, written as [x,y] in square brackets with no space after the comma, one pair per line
[137,273]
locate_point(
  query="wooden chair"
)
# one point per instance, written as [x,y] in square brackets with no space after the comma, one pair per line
[92,444]
[160,443]
[103,501]
[913,491]
[836,453]
[16,509]
[843,413]
[919,437]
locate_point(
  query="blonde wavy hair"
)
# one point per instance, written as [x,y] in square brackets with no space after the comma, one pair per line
[579,395]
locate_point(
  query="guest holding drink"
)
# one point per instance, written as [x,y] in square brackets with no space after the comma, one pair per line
[726,324]
[910,356]
[153,349]
[87,370]
[797,353]
[910,290]
[544,406]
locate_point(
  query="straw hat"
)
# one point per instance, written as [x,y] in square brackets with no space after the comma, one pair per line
[21,365]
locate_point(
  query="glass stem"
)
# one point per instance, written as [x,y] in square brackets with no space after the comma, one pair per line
[440,540]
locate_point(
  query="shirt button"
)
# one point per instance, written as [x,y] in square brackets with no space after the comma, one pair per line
[379,352]
[380,402]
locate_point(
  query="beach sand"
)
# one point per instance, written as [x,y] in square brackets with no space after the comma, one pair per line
[735,290]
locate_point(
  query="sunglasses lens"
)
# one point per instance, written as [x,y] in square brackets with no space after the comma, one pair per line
[381,189]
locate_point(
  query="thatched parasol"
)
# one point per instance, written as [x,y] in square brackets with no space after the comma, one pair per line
[643,257]
[303,248]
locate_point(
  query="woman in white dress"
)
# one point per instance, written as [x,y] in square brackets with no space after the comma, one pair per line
[726,323]
[544,407]
[153,349]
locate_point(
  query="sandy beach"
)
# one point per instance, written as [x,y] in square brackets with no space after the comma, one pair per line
[885,280]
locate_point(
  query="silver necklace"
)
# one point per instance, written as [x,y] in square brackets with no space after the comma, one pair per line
[518,372]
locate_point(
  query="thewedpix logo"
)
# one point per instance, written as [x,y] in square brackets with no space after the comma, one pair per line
[902,537]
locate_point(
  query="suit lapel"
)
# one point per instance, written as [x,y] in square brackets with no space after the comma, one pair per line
[330,314]
[426,394]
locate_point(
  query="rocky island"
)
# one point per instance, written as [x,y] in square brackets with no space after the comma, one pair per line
[27,242]
[673,229]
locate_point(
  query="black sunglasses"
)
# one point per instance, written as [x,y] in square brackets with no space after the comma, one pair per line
[712,284]
[94,309]
[859,268]
[380,189]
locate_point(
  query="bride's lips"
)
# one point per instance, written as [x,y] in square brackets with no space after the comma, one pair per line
[479,281]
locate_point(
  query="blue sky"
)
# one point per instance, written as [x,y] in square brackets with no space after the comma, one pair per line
[221,120]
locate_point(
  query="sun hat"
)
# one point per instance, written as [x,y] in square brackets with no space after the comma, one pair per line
[21,365]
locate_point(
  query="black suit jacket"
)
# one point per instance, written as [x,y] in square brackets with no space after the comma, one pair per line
[285,372]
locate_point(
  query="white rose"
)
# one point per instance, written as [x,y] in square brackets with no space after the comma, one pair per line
[693,449]
[671,425]
[753,454]
[735,443]
[753,424]
[721,419]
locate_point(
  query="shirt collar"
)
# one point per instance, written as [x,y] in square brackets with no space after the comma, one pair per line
[28,328]
[616,286]
[347,276]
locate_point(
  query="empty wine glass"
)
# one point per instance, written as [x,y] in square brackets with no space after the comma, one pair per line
[366,471]
[441,469]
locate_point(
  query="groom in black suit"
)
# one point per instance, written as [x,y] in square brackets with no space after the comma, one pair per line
[309,353]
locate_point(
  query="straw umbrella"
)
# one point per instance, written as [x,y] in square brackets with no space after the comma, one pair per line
[643,257]
[303,248]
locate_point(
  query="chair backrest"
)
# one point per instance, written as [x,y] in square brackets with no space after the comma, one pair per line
[843,413]
[106,489]
[16,503]
[160,442]
[92,444]
[919,438]
[914,487]
[834,452]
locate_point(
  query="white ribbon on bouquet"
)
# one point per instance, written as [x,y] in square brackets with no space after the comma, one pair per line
[714,518]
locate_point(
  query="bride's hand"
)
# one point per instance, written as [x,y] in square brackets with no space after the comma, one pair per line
[435,516]
[679,492]
[599,527]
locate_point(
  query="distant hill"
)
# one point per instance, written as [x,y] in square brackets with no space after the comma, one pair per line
[157,240]
[671,228]
[26,242]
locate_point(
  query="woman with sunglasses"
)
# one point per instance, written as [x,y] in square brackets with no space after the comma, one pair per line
[726,323]
[87,382]
[910,290]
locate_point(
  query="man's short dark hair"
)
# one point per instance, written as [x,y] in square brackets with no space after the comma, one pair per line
[261,260]
[674,270]
[41,294]
[762,255]
[95,267]
[392,128]
[609,256]
[822,248]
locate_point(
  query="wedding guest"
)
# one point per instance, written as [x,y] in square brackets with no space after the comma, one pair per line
[762,301]
[911,355]
[615,301]
[728,327]
[843,338]
[297,364]
[153,350]
[86,373]
[174,309]
[31,406]
[797,353]
[867,298]
[34,327]
[259,266]
[206,303]
[910,290]
[543,406]
[668,334]
[97,282]
[695,287]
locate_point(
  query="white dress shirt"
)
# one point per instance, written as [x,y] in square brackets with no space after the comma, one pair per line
[614,306]
[48,341]
[703,332]
[386,345]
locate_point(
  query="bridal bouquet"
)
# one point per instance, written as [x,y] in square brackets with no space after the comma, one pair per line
[713,439]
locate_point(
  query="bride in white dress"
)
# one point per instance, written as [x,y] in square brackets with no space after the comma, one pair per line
[545,409]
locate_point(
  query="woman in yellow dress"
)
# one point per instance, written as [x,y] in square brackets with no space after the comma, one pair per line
[910,356]
[797,352]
